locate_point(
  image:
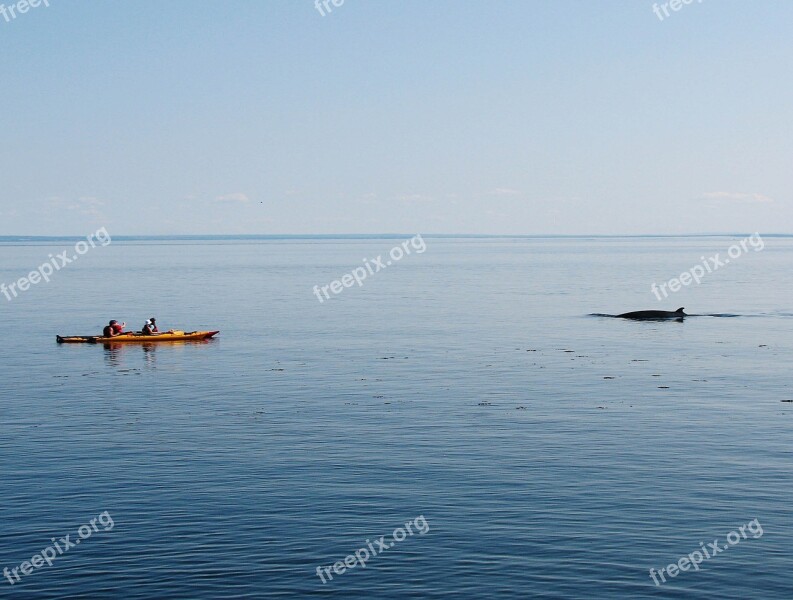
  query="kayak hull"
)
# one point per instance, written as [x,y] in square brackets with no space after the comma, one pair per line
[136,338]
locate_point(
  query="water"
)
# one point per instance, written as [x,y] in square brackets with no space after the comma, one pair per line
[552,454]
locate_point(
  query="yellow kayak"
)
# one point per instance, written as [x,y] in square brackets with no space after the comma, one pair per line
[175,336]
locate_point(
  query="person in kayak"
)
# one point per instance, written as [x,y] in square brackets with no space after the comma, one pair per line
[150,328]
[113,329]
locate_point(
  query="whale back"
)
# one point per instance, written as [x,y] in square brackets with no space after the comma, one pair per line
[654,315]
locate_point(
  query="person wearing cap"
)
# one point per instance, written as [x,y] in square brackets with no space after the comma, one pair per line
[113,329]
[150,328]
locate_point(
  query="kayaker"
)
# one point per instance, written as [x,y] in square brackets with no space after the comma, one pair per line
[113,329]
[150,328]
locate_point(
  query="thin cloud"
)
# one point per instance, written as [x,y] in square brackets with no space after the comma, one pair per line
[741,197]
[88,206]
[85,205]
[504,192]
[238,197]
[420,198]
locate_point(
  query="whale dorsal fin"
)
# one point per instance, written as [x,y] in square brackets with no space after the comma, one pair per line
[680,310]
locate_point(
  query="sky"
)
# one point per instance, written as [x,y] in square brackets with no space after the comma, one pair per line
[382,116]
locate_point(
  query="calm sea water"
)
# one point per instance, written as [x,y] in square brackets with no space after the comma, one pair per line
[552,454]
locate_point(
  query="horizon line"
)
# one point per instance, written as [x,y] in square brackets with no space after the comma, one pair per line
[216,236]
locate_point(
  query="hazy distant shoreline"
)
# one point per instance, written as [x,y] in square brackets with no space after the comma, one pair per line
[366,236]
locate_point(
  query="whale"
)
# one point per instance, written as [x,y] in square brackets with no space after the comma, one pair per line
[654,315]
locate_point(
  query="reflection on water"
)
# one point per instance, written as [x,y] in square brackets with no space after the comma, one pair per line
[149,355]
[120,355]
[113,354]
[125,355]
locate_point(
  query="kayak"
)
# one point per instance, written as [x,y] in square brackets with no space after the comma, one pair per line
[176,336]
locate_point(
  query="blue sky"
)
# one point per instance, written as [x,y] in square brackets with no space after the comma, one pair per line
[445,116]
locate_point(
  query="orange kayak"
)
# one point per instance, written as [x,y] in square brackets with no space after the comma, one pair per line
[176,336]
